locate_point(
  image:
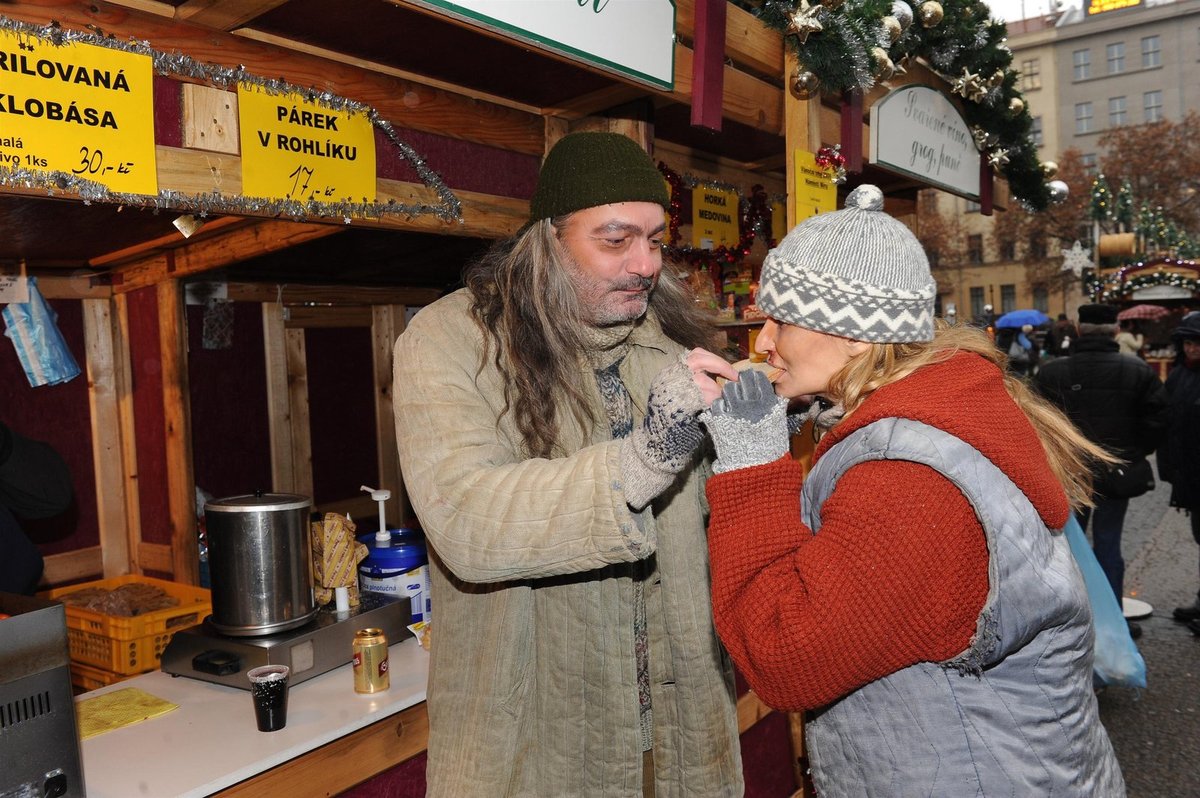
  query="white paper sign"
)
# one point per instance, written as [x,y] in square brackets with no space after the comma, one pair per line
[14,286]
[632,38]
[917,131]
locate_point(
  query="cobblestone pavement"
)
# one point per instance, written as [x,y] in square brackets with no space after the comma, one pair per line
[1156,734]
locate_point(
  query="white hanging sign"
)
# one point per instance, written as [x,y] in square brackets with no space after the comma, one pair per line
[917,131]
[631,38]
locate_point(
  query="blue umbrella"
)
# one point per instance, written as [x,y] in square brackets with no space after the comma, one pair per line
[1019,318]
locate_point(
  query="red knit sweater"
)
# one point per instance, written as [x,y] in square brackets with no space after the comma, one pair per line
[897,574]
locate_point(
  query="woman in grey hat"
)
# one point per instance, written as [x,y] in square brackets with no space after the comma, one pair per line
[919,599]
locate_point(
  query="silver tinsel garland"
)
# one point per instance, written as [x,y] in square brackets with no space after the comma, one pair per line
[449,209]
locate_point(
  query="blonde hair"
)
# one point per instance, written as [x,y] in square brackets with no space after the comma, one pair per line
[1068,452]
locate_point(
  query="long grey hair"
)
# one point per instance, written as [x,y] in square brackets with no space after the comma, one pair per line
[525,302]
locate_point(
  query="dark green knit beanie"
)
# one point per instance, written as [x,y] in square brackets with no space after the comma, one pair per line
[584,170]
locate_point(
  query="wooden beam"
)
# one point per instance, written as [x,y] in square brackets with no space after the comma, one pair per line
[750,710]
[297,395]
[304,318]
[224,14]
[746,99]
[387,324]
[279,415]
[177,434]
[748,42]
[104,403]
[216,253]
[333,767]
[405,103]
[71,566]
[75,286]
[125,418]
[155,557]
[212,227]
[336,295]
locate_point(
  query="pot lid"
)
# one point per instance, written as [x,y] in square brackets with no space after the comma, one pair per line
[257,502]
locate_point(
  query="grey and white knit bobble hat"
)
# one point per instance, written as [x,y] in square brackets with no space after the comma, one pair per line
[857,273]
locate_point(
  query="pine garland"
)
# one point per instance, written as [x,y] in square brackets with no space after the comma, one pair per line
[966,41]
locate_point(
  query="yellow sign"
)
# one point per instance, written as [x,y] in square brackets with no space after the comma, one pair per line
[815,192]
[300,150]
[714,218]
[778,220]
[1100,6]
[78,108]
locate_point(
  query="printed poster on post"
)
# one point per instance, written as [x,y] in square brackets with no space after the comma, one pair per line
[714,218]
[815,192]
[76,108]
[296,149]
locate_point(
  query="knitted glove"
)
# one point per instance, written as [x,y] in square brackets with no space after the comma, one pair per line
[664,443]
[748,424]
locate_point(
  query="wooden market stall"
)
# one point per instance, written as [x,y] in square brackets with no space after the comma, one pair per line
[304,299]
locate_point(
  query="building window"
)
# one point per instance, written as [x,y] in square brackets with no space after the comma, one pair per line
[1117,115]
[1031,74]
[1008,298]
[1035,132]
[1151,52]
[977,302]
[1008,250]
[972,206]
[1083,118]
[1082,60]
[975,249]
[935,258]
[1115,53]
[1037,248]
[1090,163]
[1152,103]
[1041,298]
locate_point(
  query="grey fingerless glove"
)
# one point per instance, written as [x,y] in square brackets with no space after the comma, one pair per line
[748,424]
[666,440]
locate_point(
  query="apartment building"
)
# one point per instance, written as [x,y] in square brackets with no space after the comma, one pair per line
[1083,71]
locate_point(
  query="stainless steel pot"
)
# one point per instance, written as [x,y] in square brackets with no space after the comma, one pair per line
[260,563]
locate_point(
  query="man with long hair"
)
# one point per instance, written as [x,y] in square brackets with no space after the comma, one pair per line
[546,416]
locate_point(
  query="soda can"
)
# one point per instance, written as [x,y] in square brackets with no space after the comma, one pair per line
[370,661]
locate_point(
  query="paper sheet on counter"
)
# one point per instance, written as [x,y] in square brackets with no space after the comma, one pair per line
[117,709]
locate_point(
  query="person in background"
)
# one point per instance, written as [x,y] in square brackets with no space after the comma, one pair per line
[546,417]
[1061,333]
[911,589]
[1119,403]
[34,483]
[1179,457]
[1129,338]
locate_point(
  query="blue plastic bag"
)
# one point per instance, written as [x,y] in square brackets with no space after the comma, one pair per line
[1117,659]
[33,328]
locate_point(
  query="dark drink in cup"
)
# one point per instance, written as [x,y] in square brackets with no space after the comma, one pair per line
[269,689]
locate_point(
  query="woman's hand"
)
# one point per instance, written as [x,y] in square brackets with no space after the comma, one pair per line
[705,367]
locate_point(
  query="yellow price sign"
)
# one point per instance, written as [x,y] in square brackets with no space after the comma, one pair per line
[297,149]
[714,218]
[78,108]
[815,192]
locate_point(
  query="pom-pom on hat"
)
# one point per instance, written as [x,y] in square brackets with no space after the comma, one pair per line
[857,273]
[1097,314]
[584,170]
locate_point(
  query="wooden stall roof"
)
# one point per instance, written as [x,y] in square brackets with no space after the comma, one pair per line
[436,80]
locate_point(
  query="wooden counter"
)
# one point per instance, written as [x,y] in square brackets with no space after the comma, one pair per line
[334,738]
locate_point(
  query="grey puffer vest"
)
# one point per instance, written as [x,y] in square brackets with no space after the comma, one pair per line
[1014,714]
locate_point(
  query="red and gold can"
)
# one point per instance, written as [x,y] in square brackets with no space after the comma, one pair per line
[370,661]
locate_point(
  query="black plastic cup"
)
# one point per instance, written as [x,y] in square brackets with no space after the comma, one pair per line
[269,689]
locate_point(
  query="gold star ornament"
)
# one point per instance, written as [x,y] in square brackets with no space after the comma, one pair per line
[803,21]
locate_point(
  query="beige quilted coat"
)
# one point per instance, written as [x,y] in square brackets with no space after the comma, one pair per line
[532,685]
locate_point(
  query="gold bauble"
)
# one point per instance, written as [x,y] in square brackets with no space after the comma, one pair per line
[1049,169]
[893,28]
[805,85]
[1016,105]
[884,68]
[930,12]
